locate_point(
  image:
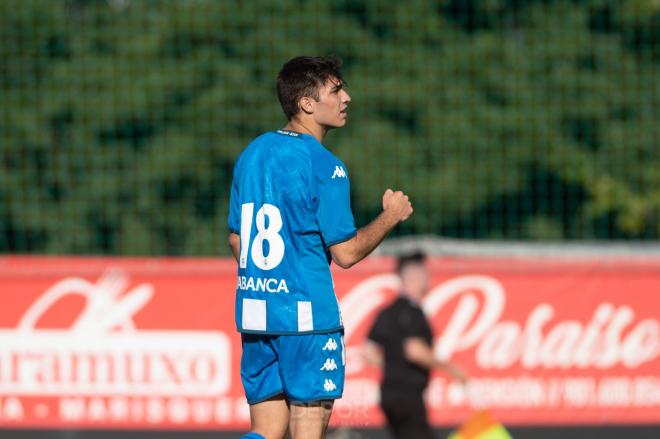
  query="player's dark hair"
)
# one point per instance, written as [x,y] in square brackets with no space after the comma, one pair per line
[412,258]
[302,76]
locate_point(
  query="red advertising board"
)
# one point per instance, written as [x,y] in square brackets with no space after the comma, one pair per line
[151,343]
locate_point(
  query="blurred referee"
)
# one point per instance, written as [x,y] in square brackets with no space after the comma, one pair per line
[401,341]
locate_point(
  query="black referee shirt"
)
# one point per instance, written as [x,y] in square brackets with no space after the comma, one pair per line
[400,320]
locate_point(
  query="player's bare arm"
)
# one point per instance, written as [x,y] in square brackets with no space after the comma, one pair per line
[234,244]
[396,209]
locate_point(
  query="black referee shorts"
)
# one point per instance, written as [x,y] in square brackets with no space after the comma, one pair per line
[406,414]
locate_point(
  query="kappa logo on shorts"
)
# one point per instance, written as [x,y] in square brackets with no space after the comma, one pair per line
[339,172]
[329,386]
[329,365]
[330,345]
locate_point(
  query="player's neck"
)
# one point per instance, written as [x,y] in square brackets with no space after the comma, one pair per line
[307,127]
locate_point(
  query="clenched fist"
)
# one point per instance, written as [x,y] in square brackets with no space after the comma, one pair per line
[397,205]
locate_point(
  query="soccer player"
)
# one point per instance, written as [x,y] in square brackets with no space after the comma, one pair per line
[289,217]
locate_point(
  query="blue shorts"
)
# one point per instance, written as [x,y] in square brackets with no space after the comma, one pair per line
[305,368]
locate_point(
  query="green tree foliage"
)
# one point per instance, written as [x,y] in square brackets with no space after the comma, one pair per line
[120,120]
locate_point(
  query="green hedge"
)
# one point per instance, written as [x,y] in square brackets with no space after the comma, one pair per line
[120,120]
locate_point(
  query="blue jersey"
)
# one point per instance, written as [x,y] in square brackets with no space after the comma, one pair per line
[290,201]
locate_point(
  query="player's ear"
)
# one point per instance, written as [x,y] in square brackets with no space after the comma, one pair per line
[306,104]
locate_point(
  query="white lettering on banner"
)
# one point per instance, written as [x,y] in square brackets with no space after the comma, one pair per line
[91,358]
[529,392]
[601,343]
[11,409]
[610,337]
[364,298]
[152,410]
[263,285]
[456,335]
[359,397]
[165,363]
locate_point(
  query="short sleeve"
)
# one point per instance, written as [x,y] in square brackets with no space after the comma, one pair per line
[413,323]
[334,216]
[234,221]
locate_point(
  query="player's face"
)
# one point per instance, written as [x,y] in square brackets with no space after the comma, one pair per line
[331,109]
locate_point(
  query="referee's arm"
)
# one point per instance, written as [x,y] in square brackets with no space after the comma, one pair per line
[418,352]
[373,353]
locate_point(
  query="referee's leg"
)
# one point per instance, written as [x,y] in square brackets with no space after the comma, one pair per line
[406,415]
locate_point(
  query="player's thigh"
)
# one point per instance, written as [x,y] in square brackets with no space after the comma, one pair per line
[260,373]
[270,418]
[310,421]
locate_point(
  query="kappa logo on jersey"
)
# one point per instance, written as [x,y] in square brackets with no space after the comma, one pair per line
[329,365]
[329,386]
[339,172]
[330,345]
